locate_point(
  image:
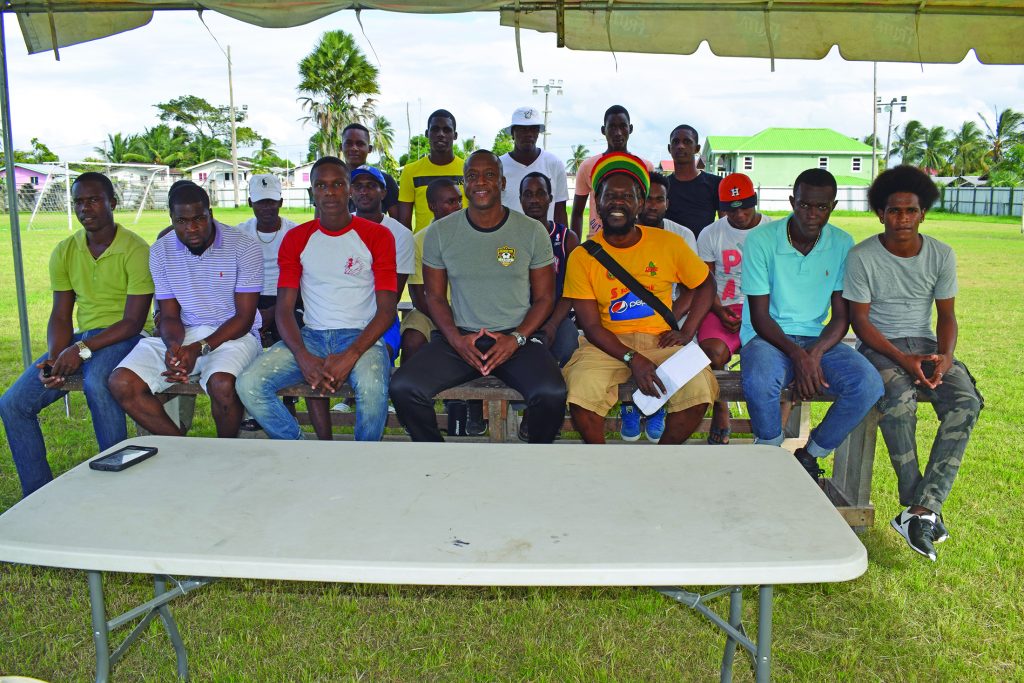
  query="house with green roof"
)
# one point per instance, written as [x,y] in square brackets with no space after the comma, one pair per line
[776,156]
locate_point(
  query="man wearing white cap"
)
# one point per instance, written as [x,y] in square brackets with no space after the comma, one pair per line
[268,227]
[526,158]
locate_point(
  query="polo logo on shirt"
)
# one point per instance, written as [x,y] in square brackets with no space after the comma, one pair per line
[354,266]
[506,255]
[651,269]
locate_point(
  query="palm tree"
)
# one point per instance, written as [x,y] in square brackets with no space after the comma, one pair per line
[382,136]
[264,158]
[909,143]
[336,81]
[116,147]
[159,145]
[579,155]
[1007,131]
[935,149]
[967,150]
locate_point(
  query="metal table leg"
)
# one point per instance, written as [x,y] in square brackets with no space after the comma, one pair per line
[735,614]
[101,627]
[763,658]
[760,651]
[100,632]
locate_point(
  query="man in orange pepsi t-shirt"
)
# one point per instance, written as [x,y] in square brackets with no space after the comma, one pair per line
[624,335]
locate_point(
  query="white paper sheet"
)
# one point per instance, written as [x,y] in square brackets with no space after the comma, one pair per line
[679,369]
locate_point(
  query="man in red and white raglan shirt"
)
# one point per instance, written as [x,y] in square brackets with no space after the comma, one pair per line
[344,267]
[720,245]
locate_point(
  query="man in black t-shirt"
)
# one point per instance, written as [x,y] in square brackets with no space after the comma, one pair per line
[692,193]
[355,147]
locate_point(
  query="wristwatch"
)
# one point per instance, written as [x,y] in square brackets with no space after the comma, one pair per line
[84,352]
[204,347]
[520,339]
[628,356]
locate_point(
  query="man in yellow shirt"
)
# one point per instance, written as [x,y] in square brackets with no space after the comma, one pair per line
[624,335]
[417,175]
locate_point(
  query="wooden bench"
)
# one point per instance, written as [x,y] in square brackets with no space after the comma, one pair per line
[849,488]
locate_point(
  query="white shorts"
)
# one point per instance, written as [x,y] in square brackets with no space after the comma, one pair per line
[147,359]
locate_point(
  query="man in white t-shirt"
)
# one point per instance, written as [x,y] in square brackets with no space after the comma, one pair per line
[720,245]
[526,158]
[369,188]
[269,228]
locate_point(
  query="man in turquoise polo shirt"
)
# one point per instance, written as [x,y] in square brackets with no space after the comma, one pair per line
[792,277]
[103,271]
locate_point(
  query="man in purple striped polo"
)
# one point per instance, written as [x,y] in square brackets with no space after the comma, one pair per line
[207,278]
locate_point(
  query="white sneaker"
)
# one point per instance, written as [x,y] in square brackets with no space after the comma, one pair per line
[342,407]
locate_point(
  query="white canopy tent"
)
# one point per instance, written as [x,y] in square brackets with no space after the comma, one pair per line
[927,31]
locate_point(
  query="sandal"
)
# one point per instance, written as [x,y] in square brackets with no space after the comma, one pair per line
[719,436]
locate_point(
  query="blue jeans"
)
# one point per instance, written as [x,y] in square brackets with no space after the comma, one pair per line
[277,368]
[766,371]
[21,404]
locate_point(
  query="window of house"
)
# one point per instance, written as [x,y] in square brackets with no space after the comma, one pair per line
[33,179]
[202,177]
[748,163]
[855,164]
[305,177]
[823,162]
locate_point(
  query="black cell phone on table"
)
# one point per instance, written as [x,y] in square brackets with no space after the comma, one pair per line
[123,458]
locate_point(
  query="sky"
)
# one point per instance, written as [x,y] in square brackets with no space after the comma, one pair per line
[467,64]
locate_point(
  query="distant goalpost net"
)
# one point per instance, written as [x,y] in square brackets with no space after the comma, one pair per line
[48,203]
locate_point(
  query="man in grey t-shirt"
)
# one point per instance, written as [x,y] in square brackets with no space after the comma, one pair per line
[891,281]
[500,267]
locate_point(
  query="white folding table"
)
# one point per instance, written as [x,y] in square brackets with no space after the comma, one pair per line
[440,514]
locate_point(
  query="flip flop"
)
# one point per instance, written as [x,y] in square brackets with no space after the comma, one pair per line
[719,436]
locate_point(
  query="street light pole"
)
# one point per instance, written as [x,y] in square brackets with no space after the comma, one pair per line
[880,106]
[551,86]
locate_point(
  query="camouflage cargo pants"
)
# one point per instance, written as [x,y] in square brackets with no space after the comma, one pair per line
[957,403]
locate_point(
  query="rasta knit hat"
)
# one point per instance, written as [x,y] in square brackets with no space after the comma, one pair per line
[620,162]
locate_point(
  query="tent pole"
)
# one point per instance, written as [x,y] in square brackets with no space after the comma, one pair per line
[12,201]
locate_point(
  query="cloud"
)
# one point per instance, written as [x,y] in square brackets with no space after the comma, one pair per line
[467,63]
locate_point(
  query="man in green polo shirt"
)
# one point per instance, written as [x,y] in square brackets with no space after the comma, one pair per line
[103,272]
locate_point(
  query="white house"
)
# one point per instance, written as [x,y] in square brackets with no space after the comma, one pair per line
[220,171]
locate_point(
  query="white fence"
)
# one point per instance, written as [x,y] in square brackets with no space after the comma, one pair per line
[777,198]
[294,197]
[982,201]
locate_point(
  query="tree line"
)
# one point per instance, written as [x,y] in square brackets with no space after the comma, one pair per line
[994,149]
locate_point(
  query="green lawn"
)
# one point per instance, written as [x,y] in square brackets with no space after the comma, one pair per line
[906,619]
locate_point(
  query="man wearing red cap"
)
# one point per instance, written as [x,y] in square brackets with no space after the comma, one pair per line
[720,245]
[624,335]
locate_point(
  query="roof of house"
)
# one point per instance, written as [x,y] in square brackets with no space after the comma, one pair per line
[241,164]
[816,140]
[44,169]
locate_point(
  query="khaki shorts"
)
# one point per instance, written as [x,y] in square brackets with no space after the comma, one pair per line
[416,320]
[593,377]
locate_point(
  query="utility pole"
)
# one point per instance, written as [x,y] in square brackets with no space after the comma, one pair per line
[551,86]
[234,137]
[874,120]
[881,106]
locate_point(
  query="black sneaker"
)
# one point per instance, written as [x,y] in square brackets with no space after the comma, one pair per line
[810,463]
[941,533]
[918,531]
[476,425]
[250,425]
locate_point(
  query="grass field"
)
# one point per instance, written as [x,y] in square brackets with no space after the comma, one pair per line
[906,619]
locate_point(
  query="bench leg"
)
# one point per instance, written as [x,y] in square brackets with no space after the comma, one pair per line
[854,460]
[797,425]
[496,413]
[180,408]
